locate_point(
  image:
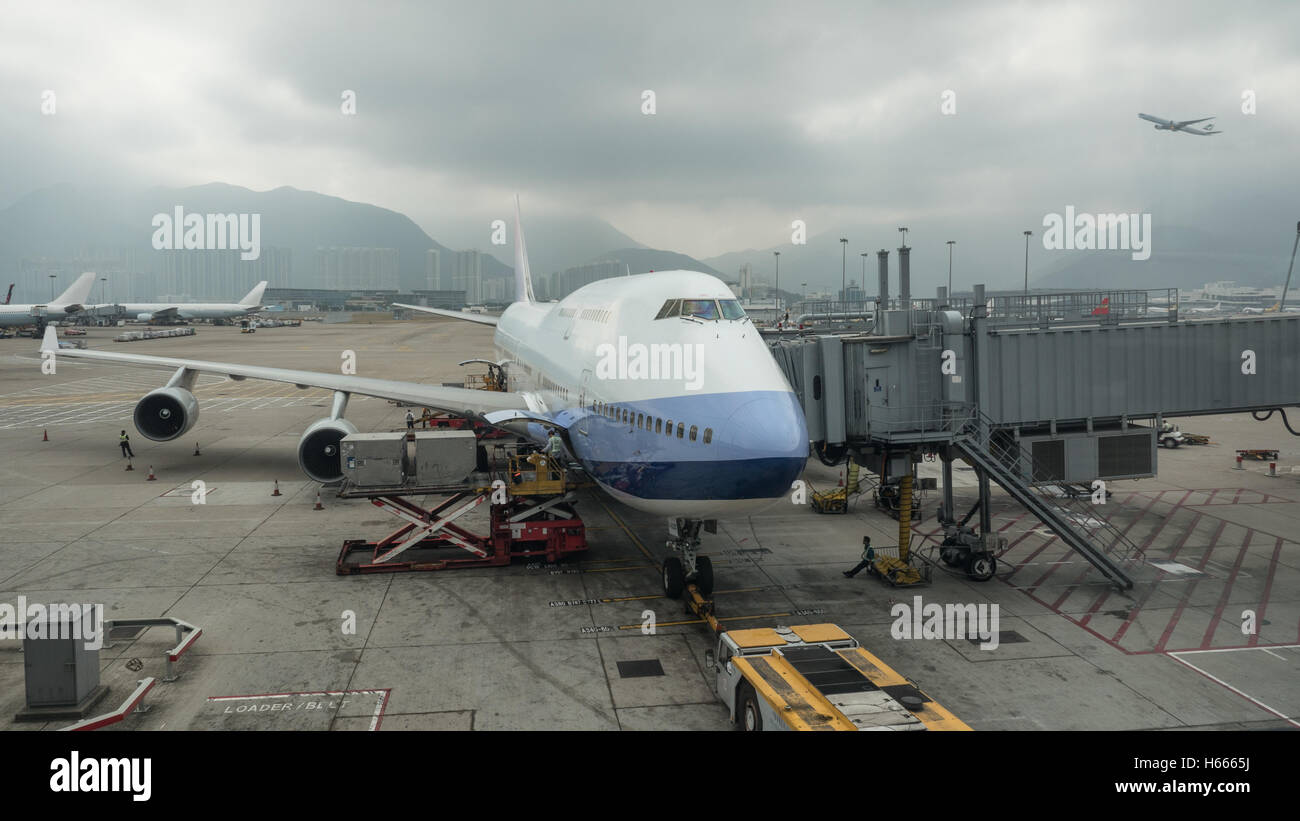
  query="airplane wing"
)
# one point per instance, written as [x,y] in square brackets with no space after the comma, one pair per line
[482,319]
[1192,122]
[1201,132]
[170,312]
[475,404]
[1151,119]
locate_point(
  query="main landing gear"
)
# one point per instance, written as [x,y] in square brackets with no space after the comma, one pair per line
[686,566]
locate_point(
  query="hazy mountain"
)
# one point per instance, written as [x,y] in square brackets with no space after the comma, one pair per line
[68,221]
[642,260]
[555,241]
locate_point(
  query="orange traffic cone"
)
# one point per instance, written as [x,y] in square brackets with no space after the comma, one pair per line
[276,492]
[45,437]
[151,476]
[318,506]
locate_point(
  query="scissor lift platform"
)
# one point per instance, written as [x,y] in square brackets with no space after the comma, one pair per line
[530,515]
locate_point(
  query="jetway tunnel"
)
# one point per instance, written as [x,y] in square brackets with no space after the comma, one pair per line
[1035,396]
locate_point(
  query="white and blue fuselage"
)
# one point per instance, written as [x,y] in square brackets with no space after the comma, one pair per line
[667,394]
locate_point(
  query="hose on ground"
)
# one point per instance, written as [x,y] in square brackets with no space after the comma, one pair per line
[1268,414]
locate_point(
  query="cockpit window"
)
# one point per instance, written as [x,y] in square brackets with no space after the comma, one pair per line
[671,308]
[700,308]
[731,309]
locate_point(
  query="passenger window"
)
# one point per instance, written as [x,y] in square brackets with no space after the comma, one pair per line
[694,432]
[640,420]
[681,429]
[669,430]
[625,414]
[659,425]
[708,435]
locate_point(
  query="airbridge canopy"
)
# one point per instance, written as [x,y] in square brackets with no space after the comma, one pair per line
[928,372]
[1174,369]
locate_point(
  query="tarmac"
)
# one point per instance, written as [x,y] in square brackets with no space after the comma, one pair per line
[288,644]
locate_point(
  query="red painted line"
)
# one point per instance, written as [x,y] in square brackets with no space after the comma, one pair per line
[1209,500]
[1105,594]
[1227,591]
[1137,607]
[1237,495]
[1182,605]
[1268,585]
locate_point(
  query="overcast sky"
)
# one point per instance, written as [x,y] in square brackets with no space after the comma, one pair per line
[830,113]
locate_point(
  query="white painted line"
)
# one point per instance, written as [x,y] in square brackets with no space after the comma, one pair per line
[1177,657]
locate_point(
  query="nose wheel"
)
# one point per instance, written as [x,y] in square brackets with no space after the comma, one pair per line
[686,566]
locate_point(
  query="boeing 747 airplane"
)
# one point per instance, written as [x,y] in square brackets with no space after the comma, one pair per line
[69,302]
[659,385]
[1173,125]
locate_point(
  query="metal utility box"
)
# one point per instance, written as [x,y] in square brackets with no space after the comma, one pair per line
[374,459]
[444,457]
[60,672]
[1079,456]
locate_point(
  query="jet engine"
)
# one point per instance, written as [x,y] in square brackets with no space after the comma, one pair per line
[166,413]
[318,450]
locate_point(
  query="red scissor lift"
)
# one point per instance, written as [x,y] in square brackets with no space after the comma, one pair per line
[530,515]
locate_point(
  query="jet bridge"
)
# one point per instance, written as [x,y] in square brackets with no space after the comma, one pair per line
[1034,391]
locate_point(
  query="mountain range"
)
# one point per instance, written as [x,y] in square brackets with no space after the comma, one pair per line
[67,222]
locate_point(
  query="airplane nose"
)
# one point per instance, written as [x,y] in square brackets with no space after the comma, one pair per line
[768,426]
[768,441]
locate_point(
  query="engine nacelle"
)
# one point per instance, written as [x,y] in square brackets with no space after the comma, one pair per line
[319,450]
[166,413]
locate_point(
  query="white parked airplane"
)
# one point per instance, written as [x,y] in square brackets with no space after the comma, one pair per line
[659,384]
[1218,308]
[1174,125]
[69,302]
[168,311]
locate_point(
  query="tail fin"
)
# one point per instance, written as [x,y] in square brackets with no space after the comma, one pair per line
[523,281]
[78,292]
[254,297]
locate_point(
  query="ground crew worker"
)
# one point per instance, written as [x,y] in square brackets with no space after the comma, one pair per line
[125,442]
[555,446]
[410,420]
[868,556]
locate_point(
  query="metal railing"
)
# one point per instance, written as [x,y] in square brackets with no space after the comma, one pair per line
[1098,540]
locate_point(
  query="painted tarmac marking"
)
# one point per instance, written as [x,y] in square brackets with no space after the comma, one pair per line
[1178,657]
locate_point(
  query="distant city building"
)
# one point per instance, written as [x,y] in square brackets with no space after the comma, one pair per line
[432,273]
[347,267]
[466,274]
[569,280]
[746,281]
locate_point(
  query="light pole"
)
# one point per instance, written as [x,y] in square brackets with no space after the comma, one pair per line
[844,262]
[103,289]
[951,243]
[803,294]
[1281,305]
[1028,234]
[864,274]
[52,287]
[777,254]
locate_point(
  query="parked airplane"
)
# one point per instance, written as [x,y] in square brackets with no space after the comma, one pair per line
[10,294]
[1218,308]
[69,302]
[658,384]
[1174,125]
[170,311]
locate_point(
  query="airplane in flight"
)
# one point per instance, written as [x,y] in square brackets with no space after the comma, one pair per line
[71,301]
[658,384]
[1174,125]
[171,311]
